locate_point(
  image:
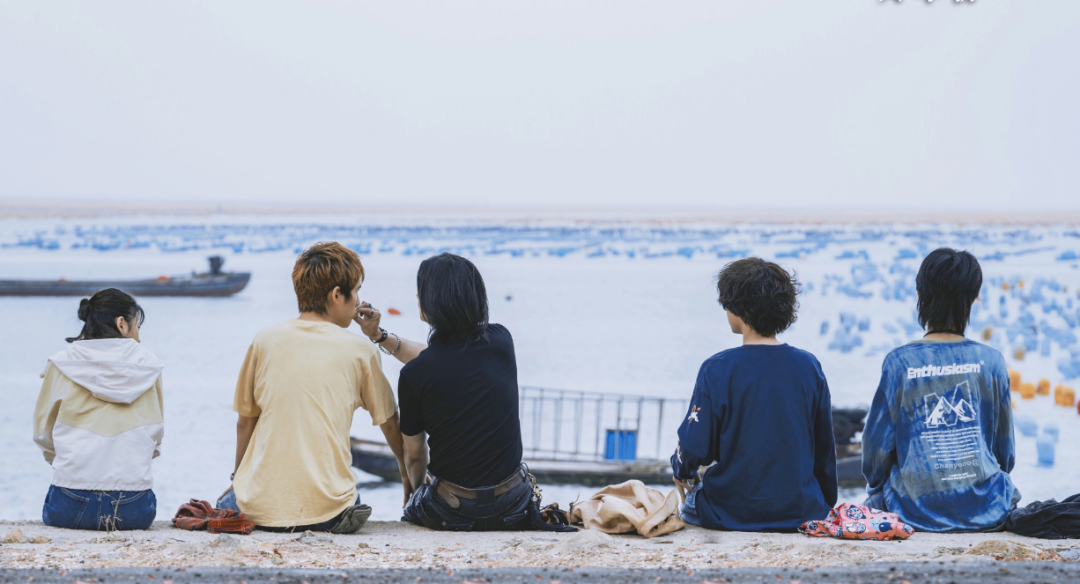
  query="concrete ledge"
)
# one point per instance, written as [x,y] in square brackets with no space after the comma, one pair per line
[400,545]
[929,572]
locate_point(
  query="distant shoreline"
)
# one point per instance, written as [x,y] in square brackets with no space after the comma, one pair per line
[26,209]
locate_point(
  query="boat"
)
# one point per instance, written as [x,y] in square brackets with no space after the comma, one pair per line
[592,439]
[212,283]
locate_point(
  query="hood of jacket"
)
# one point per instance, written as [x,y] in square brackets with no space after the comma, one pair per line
[114,370]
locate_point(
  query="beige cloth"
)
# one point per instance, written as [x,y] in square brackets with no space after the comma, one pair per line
[630,507]
[304,380]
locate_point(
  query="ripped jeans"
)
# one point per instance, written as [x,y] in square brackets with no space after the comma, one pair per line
[99,510]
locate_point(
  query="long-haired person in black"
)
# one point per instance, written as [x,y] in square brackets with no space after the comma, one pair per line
[458,400]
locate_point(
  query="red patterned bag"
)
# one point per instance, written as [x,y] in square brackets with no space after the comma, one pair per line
[850,521]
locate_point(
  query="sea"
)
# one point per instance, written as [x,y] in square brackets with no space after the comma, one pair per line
[624,306]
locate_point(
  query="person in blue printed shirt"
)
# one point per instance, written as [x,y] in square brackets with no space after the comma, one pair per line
[762,413]
[938,443]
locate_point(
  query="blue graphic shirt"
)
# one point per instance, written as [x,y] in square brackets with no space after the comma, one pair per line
[763,414]
[938,443]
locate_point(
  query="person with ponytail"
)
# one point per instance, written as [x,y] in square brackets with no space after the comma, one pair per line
[99,420]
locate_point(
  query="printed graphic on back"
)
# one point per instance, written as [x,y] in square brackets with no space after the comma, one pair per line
[951,408]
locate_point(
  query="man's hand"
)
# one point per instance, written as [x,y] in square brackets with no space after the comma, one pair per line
[683,486]
[368,317]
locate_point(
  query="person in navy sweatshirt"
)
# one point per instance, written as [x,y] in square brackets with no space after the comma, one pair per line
[761,415]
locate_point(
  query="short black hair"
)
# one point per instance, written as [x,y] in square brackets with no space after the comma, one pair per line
[452,298]
[948,283]
[761,293]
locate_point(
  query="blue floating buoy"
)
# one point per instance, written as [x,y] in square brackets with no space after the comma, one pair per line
[1026,426]
[1045,446]
[1052,431]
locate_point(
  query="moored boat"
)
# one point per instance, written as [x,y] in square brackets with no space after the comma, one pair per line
[212,283]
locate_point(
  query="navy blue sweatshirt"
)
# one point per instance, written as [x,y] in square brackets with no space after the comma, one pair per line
[763,414]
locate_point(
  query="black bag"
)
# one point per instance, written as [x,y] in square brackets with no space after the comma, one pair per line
[1047,519]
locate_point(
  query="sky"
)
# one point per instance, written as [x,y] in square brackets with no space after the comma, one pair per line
[777,104]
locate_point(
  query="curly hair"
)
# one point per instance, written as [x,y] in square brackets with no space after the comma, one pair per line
[759,292]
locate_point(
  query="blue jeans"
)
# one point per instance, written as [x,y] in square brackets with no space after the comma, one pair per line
[689,508]
[99,510]
[229,502]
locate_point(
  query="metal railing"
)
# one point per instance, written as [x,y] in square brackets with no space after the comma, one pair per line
[559,424]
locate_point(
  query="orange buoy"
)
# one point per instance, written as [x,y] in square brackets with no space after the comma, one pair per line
[1019,353]
[1020,283]
[1014,380]
[1068,397]
[1058,392]
[162,278]
[987,333]
[397,312]
[1005,286]
[1043,388]
[1027,390]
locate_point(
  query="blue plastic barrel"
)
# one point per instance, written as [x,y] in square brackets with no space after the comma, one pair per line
[1027,426]
[621,445]
[1052,431]
[1045,445]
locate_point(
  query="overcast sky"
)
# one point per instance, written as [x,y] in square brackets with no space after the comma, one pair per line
[750,103]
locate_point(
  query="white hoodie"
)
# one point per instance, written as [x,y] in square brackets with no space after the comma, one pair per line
[97,420]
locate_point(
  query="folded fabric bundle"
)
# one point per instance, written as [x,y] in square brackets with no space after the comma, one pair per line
[198,515]
[1047,519]
[629,507]
[849,521]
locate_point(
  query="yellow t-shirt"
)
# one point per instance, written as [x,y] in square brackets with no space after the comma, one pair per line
[304,380]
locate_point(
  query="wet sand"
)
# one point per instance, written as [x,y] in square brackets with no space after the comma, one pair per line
[396,545]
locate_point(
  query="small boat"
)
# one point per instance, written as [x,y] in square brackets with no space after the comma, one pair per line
[579,438]
[212,283]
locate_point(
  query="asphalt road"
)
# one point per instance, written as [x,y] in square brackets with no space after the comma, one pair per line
[931,572]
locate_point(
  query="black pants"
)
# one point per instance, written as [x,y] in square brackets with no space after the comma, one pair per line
[514,510]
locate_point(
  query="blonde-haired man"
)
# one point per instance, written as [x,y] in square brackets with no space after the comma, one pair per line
[298,388]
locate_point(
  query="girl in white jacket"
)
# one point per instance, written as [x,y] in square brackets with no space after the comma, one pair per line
[99,420]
